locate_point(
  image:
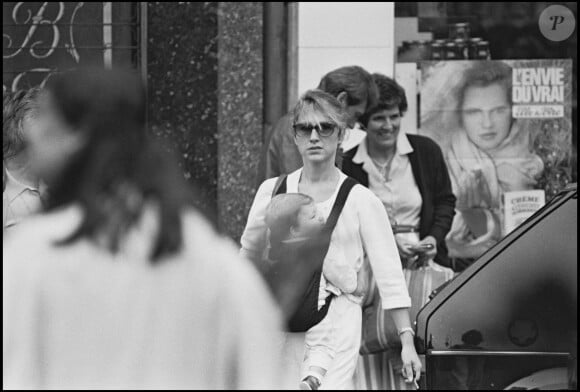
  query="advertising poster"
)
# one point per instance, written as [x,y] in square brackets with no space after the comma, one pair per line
[519,206]
[503,126]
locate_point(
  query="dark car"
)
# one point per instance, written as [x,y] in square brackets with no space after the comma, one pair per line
[509,320]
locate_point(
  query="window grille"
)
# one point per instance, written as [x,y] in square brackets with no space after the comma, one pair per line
[43,38]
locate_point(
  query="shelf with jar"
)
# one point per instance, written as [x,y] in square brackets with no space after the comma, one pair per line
[459,45]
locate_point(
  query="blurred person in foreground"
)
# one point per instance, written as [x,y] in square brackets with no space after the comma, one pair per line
[126,285]
[355,90]
[21,188]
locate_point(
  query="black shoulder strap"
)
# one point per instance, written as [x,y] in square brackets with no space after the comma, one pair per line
[339,203]
[280,186]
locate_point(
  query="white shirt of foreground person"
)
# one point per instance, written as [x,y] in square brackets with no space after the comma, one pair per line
[362,229]
[18,201]
[78,317]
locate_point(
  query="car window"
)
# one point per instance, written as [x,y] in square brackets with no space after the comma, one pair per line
[523,299]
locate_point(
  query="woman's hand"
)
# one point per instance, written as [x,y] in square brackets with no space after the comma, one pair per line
[405,248]
[411,362]
[428,254]
[474,190]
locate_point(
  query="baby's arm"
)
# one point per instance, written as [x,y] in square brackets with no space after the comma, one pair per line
[321,341]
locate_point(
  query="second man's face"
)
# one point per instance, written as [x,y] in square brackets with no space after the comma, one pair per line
[355,112]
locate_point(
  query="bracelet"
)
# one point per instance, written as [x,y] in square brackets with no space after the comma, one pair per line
[406,329]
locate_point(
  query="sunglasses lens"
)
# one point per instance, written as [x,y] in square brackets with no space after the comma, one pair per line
[326,129]
[302,130]
[305,130]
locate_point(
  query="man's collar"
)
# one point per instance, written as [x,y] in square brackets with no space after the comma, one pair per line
[353,137]
[361,153]
[15,187]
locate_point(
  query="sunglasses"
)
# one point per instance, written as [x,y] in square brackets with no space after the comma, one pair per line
[324,129]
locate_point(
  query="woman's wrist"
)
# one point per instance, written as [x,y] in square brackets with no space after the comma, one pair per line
[408,329]
[407,339]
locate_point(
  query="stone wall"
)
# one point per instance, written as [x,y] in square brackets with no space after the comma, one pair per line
[240,107]
[205,99]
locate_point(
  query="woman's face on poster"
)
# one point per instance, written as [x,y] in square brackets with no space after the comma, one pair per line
[383,128]
[486,115]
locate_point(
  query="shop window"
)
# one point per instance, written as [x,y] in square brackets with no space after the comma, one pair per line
[443,52]
[42,38]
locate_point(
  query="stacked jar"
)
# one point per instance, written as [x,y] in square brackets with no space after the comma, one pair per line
[458,46]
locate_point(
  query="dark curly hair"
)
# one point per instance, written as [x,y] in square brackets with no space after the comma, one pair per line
[391,95]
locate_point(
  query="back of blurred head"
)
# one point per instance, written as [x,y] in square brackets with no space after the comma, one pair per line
[93,151]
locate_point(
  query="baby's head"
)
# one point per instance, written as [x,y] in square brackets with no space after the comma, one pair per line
[292,216]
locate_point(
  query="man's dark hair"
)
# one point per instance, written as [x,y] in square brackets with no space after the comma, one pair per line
[355,81]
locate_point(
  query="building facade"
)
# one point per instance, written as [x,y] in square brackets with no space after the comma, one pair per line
[219,74]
